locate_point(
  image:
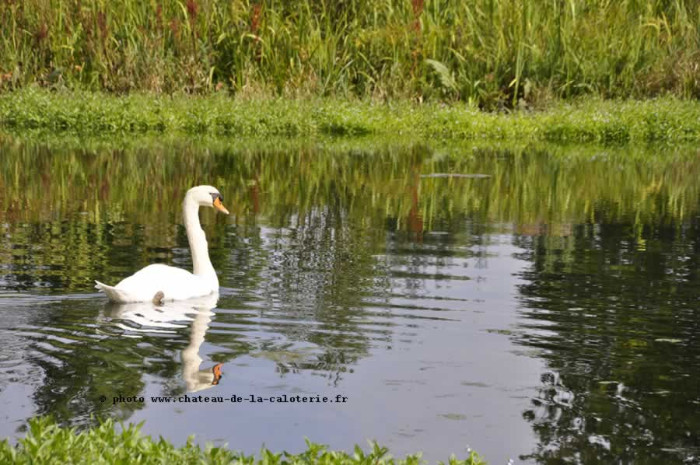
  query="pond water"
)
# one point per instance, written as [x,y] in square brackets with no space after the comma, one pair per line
[548,312]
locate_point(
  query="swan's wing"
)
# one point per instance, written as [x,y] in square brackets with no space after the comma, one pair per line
[175,283]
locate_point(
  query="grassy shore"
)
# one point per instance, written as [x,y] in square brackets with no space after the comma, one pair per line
[588,120]
[47,443]
[493,53]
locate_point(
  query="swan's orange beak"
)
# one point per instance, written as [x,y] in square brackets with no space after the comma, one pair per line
[220,206]
[216,369]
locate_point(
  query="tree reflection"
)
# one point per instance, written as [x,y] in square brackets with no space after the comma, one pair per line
[87,368]
[612,309]
[317,232]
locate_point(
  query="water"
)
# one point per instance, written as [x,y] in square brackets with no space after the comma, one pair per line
[544,313]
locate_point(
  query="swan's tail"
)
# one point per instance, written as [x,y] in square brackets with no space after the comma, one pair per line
[114,294]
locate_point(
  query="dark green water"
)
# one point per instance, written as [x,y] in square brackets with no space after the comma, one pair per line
[548,313]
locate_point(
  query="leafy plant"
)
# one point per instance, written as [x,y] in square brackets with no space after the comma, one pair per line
[587,120]
[48,443]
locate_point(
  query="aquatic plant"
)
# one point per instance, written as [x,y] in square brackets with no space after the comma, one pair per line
[605,121]
[48,443]
[494,53]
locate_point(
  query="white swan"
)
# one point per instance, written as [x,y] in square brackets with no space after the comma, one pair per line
[159,282]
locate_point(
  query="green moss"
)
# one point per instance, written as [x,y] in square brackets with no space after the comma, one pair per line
[589,120]
[47,443]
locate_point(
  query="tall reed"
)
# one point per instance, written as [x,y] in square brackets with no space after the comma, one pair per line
[490,52]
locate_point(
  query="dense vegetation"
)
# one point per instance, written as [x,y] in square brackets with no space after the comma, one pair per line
[493,53]
[47,443]
[605,121]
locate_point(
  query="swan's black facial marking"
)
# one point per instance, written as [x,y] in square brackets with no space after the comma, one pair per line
[216,201]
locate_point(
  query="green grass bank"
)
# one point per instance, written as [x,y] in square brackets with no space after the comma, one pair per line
[47,443]
[492,53]
[588,120]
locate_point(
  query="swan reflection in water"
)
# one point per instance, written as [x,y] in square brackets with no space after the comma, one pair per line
[168,317]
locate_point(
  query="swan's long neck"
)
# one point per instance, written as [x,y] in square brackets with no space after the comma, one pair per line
[198,242]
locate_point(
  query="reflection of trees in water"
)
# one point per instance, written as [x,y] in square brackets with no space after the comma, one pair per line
[307,280]
[69,215]
[612,309]
[299,254]
[80,361]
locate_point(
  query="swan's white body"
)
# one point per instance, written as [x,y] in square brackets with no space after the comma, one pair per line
[161,282]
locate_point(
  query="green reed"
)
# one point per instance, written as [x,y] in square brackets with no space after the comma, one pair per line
[491,52]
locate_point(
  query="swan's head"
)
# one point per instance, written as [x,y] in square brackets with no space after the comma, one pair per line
[207,196]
